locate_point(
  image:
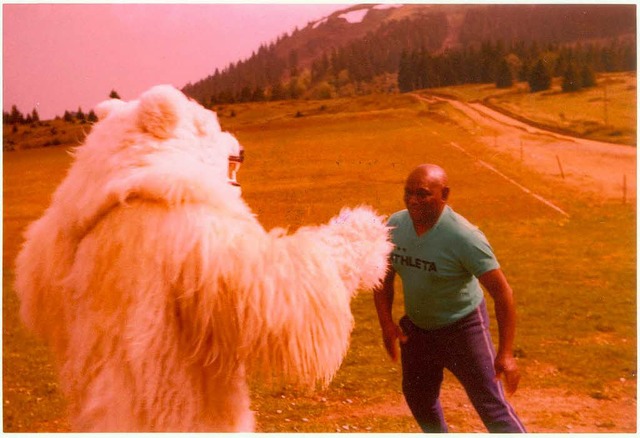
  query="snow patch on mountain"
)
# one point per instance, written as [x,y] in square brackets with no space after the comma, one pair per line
[386,6]
[354,16]
[319,22]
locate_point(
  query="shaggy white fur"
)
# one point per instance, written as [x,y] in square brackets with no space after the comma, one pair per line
[158,289]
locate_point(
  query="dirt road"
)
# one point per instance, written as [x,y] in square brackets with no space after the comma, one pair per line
[608,172]
[605,170]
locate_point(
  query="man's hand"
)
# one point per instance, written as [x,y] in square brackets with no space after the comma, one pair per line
[507,368]
[391,333]
[505,364]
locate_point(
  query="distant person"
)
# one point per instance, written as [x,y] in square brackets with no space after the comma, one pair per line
[442,260]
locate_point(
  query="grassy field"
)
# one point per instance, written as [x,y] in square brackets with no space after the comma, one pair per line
[604,113]
[48,133]
[574,279]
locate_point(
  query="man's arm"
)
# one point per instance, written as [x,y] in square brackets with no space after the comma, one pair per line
[383,298]
[496,284]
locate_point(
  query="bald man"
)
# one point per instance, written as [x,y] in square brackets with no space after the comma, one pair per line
[442,260]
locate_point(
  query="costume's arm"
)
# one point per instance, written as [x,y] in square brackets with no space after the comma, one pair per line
[41,267]
[291,292]
[496,284]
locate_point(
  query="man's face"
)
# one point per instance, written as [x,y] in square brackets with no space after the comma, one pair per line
[424,197]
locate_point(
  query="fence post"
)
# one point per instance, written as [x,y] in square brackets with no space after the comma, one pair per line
[521,152]
[560,166]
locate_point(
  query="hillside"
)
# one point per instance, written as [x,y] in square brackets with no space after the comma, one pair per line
[465,25]
[307,159]
[363,43]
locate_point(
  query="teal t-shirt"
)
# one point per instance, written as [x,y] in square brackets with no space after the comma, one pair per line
[439,269]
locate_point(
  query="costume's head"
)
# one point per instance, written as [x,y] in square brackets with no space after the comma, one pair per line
[164,118]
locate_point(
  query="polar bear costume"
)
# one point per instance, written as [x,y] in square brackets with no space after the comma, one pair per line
[158,289]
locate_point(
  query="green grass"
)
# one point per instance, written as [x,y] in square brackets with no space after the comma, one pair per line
[605,112]
[574,279]
[48,133]
[32,400]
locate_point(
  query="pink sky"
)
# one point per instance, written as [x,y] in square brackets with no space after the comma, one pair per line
[59,57]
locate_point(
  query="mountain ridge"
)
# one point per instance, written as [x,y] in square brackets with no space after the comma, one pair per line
[436,28]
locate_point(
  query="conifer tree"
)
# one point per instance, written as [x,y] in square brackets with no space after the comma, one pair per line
[487,65]
[80,115]
[293,63]
[114,95]
[405,73]
[317,72]
[277,92]
[245,94]
[295,88]
[540,78]
[525,70]
[258,94]
[571,79]
[420,64]
[92,117]
[505,78]
[587,76]
[16,115]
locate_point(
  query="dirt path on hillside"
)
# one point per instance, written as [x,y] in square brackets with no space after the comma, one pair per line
[606,170]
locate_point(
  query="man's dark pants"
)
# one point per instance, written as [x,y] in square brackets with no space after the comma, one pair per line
[464,348]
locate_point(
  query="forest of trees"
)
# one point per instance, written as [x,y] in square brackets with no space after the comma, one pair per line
[521,43]
[349,69]
[15,117]
[378,64]
[503,65]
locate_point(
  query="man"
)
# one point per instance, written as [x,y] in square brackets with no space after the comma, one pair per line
[442,259]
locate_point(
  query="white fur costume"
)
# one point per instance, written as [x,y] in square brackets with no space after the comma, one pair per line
[159,290]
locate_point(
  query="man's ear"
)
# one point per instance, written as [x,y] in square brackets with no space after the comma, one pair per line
[445,193]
